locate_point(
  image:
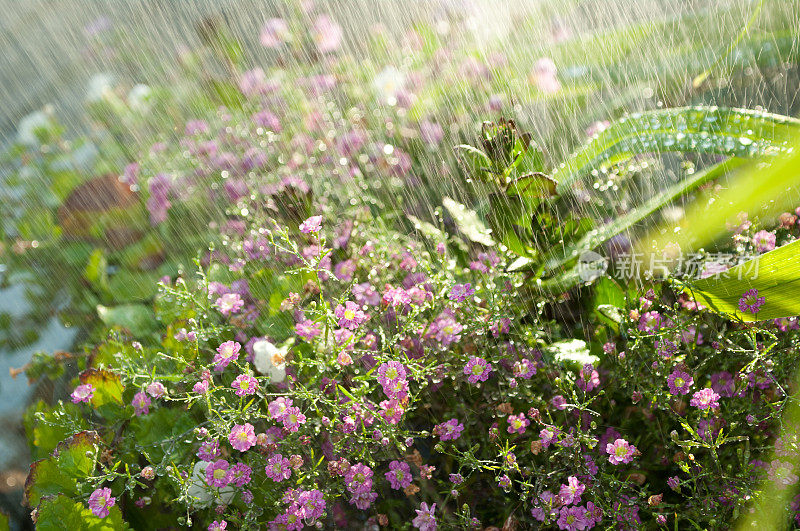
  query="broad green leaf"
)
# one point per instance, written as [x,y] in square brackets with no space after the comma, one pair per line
[137,318]
[473,161]
[108,386]
[572,351]
[429,230]
[776,276]
[155,431]
[467,222]
[560,256]
[70,462]
[732,132]
[130,286]
[57,513]
[96,271]
[765,188]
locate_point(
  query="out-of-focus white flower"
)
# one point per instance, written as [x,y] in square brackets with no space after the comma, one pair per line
[26,130]
[271,360]
[139,97]
[388,83]
[99,85]
[202,492]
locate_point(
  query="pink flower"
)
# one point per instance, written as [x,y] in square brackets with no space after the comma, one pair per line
[764,241]
[229,303]
[751,302]
[547,436]
[571,492]
[226,353]
[278,468]
[390,372]
[399,475]
[517,423]
[524,368]
[307,329]
[293,418]
[208,451]
[363,499]
[156,390]
[245,385]
[350,315]
[242,436]
[425,519]
[447,329]
[650,322]
[477,370]
[218,526]
[327,34]
[278,407]
[312,224]
[392,411]
[449,431]
[620,451]
[679,382]
[141,404]
[572,518]
[461,292]
[200,387]
[705,399]
[100,501]
[782,473]
[358,478]
[217,473]
[82,393]
[395,297]
[240,474]
[274,33]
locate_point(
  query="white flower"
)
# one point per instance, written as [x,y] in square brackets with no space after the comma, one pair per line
[26,130]
[202,492]
[139,97]
[269,359]
[99,86]
[388,83]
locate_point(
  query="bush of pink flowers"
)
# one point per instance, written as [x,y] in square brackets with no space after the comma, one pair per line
[366,379]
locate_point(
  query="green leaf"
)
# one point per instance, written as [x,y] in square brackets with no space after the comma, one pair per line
[137,318]
[467,222]
[156,431]
[429,230]
[107,385]
[96,271]
[129,286]
[70,462]
[560,256]
[572,351]
[776,276]
[43,426]
[56,513]
[733,132]
[473,161]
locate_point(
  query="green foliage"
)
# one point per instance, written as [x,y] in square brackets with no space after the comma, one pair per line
[59,512]
[731,132]
[137,318]
[776,276]
[70,463]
